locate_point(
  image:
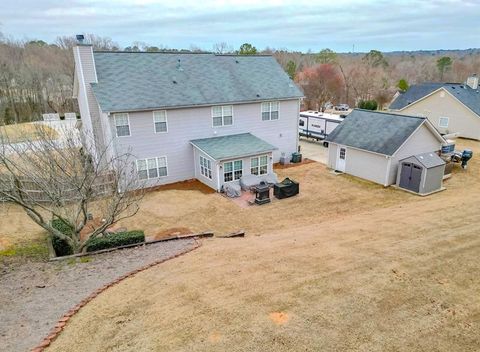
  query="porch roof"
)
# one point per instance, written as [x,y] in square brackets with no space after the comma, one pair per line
[232,146]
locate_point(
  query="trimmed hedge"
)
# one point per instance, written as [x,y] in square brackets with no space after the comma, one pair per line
[115,240]
[61,247]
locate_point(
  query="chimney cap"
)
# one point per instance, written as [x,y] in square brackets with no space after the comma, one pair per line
[80,38]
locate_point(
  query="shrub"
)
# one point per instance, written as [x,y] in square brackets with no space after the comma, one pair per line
[368,104]
[115,240]
[61,246]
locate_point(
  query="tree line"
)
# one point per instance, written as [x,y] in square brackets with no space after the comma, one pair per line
[37,77]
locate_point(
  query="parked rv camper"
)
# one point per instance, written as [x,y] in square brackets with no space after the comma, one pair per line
[317,125]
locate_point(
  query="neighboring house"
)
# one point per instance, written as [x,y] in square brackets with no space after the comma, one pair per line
[188,115]
[450,107]
[370,144]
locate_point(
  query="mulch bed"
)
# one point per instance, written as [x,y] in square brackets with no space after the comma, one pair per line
[288,166]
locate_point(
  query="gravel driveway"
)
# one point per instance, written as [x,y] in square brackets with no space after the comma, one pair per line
[34,295]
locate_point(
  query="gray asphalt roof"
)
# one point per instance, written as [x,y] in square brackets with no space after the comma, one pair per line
[468,96]
[233,146]
[375,131]
[429,160]
[142,81]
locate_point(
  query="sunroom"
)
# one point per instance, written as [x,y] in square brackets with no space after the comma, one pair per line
[228,159]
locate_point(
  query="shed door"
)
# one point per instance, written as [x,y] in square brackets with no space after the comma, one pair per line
[341,157]
[410,177]
[416,178]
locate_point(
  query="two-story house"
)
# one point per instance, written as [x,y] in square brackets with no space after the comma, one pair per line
[450,107]
[187,115]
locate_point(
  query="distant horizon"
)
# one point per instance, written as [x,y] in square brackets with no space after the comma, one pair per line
[301,25]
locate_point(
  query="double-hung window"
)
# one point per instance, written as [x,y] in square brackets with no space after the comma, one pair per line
[152,168]
[443,122]
[206,167]
[122,125]
[160,121]
[259,165]
[270,110]
[232,170]
[222,115]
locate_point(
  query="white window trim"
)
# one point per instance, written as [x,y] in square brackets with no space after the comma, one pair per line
[222,125]
[166,121]
[270,110]
[128,121]
[156,161]
[206,168]
[258,166]
[440,121]
[233,170]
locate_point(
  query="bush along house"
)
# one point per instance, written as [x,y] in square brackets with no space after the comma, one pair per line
[187,115]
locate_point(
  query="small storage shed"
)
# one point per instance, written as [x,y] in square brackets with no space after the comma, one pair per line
[422,173]
[371,144]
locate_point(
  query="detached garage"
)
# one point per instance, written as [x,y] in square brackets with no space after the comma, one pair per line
[421,173]
[371,144]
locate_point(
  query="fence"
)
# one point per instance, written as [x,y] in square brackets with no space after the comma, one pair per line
[102,185]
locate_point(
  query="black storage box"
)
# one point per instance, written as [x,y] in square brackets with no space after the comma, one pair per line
[286,188]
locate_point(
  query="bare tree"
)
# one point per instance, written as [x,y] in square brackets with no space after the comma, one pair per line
[222,48]
[54,177]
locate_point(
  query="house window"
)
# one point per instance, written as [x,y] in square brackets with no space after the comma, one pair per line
[232,170]
[270,110]
[443,122]
[160,121]
[222,115]
[206,167]
[342,153]
[152,168]
[122,125]
[259,165]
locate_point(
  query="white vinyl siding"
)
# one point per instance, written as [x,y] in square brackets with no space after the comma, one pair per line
[122,125]
[443,122]
[270,110]
[259,165]
[232,170]
[222,115]
[160,121]
[206,167]
[152,168]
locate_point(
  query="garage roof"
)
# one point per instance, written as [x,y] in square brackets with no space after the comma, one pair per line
[233,146]
[375,131]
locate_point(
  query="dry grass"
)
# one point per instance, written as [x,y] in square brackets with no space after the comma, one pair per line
[347,266]
[26,131]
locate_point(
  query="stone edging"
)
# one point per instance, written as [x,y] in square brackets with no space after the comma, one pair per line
[66,317]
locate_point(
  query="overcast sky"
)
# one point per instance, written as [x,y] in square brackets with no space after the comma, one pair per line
[297,25]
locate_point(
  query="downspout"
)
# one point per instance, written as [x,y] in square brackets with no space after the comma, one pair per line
[387,174]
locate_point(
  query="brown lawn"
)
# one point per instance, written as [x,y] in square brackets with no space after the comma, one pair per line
[346,266]
[26,131]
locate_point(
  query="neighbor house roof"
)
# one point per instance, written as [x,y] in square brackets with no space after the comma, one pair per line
[429,160]
[129,81]
[375,131]
[466,95]
[233,146]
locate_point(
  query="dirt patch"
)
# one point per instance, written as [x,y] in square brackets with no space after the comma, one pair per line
[279,318]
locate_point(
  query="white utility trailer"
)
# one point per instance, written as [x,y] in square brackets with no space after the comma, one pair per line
[317,125]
